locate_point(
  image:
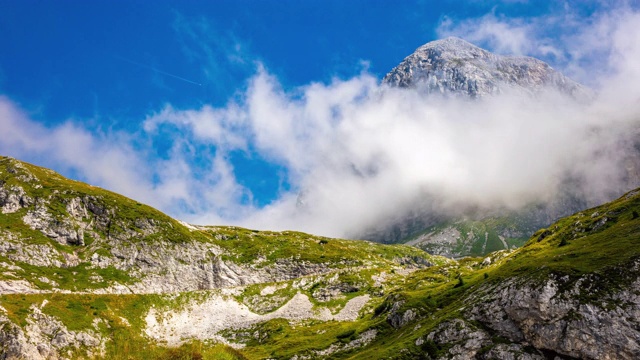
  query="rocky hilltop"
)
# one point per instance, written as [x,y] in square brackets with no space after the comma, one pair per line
[86,273]
[454,66]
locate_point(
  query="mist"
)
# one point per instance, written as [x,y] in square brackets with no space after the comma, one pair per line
[357,154]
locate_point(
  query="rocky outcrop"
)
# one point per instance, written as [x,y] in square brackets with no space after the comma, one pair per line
[45,338]
[13,199]
[399,317]
[562,315]
[65,231]
[463,340]
[168,268]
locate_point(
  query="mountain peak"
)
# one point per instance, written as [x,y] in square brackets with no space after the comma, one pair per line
[455,66]
[450,41]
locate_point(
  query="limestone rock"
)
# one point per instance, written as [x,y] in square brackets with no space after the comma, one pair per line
[454,66]
[552,316]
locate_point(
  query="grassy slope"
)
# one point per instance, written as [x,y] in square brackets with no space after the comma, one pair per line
[477,237]
[574,246]
[600,241]
[242,246]
[357,259]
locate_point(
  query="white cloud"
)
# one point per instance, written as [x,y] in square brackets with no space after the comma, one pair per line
[107,160]
[358,154]
[220,126]
[576,44]
[504,36]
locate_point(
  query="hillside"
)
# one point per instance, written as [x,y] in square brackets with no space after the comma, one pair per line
[90,274]
[79,250]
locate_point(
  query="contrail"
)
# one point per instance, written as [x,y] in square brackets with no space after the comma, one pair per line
[156,70]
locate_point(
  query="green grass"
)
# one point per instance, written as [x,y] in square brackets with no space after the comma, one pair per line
[576,247]
[596,246]
[264,248]
[59,191]
[278,339]
[479,237]
[115,218]
[76,278]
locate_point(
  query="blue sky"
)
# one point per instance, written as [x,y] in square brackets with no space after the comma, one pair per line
[94,59]
[156,99]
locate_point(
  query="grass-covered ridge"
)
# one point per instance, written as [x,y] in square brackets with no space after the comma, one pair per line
[595,251]
[68,235]
[123,276]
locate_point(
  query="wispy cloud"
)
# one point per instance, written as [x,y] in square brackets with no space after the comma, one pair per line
[502,35]
[358,154]
[222,56]
[578,44]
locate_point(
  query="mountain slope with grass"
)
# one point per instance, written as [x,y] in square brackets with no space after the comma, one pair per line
[81,266]
[571,291]
[86,273]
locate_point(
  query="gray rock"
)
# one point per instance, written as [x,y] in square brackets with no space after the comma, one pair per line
[399,319]
[510,352]
[547,317]
[466,340]
[13,199]
[44,337]
[454,66]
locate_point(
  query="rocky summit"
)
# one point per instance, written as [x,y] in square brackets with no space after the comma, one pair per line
[453,66]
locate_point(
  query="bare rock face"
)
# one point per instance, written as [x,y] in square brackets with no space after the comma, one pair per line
[45,337]
[65,232]
[510,352]
[454,66]
[559,315]
[398,318]
[13,199]
[467,341]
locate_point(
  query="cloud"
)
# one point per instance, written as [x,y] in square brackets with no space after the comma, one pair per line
[357,154]
[577,43]
[503,35]
[108,160]
[186,181]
